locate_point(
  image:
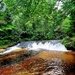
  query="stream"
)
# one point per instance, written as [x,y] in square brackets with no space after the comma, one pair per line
[37,58]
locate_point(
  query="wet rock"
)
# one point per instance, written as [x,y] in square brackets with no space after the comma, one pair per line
[43,63]
[2,50]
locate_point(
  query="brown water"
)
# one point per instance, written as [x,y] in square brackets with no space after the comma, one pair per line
[37,58]
[43,63]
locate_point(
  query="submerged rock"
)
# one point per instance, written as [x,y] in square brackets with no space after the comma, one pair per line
[37,58]
[40,63]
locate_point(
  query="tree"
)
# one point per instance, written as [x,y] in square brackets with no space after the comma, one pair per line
[40,19]
[5,25]
[34,17]
[69,9]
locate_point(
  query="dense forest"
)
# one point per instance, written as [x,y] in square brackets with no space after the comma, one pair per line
[25,20]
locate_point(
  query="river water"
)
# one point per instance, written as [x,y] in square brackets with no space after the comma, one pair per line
[37,58]
[53,45]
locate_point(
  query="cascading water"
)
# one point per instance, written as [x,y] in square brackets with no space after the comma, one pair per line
[53,45]
[37,58]
[47,45]
[9,50]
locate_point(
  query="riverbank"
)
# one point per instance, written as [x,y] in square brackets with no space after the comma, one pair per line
[7,45]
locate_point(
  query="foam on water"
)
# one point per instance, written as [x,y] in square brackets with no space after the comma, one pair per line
[9,50]
[47,45]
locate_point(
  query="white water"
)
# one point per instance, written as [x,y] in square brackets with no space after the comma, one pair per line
[47,46]
[9,50]
[54,46]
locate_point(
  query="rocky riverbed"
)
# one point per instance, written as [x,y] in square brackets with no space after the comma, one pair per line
[33,59]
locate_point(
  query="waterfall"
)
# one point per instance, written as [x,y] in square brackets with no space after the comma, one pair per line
[9,50]
[53,45]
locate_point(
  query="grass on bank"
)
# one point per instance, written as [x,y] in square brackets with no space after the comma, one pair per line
[7,45]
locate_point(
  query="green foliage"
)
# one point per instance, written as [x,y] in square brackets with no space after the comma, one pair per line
[36,20]
[32,18]
[69,42]
[6,27]
[10,3]
[66,26]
